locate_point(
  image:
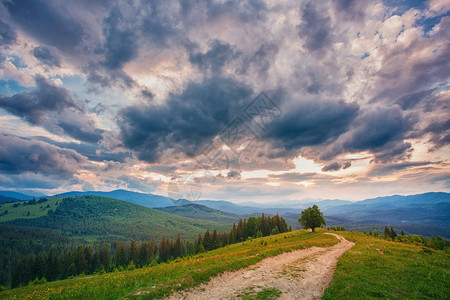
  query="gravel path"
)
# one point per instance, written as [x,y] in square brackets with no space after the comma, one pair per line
[300,274]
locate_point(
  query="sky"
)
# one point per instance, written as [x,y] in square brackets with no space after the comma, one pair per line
[228,100]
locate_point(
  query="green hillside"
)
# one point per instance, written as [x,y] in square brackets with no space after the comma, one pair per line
[162,279]
[373,268]
[201,212]
[28,209]
[95,218]
[378,269]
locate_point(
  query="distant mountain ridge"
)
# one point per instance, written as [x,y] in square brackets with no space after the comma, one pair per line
[427,209]
[198,211]
[144,199]
[16,195]
[5,199]
[23,195]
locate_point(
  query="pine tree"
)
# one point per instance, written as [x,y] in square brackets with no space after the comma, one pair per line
[392,234]
[386,233]
[69,265]
[214,240]
[177,248]
[144,253]
[207,241]
[120,256]
[134,252]
[265,227]
[105,257]
[198,243]
[90,258]
[80,261]
[51,272]
[163,251]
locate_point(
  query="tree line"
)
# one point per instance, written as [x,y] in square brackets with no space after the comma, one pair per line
[87,259]
[437,243]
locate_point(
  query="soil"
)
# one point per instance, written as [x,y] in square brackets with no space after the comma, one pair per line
[300,274]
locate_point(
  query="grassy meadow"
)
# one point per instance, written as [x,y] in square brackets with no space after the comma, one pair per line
[372,269]
[378,269]
[160,280]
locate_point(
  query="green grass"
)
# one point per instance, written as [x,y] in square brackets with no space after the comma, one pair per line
[201,212]
[256,293]
[21,211]
[376,268]
[372,269]
[161,280]
[95,218]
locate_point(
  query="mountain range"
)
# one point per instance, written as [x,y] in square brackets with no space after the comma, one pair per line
[427,213]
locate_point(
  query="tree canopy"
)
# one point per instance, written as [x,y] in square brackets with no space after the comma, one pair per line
[312,217]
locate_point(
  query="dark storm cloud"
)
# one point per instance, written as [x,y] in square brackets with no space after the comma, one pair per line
[46,56]
[347,165]
[147,94]
[215,58]
[381,131]
[158,25]
[33,105]
[186,122]
[93,151]
[377,127]
[335,166]
[314,28]
[311,123]
[411,100]
[18,155]
[165,21]
[352,9]
[53,108]
[246,11]
[383,170]
[332,167]
[260,60]
[7,34]
[440,133]
[234,175]
[120,44]
[45,23]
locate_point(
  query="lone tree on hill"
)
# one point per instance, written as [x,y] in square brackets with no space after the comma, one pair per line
[312,217]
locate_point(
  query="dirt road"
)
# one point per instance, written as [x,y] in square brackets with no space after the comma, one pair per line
[301,274]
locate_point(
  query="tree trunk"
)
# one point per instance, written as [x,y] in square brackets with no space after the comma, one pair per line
[313,229]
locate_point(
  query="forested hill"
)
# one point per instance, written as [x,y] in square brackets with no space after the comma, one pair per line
[201,212]
[101,218]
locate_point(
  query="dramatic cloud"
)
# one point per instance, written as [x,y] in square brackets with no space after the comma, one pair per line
[215,58]
[53,108]
[7,34]
[314,28]
[310,123]
[46,23]
[127,94]
[46,56]
[18,155]
[120,45]
[332,167]
[382,131]
[186,122]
